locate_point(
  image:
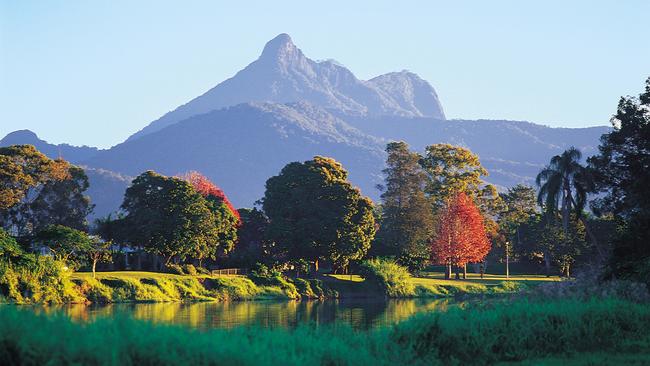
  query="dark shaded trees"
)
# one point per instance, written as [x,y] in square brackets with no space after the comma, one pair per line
[252,246]
[407,222]
[166,216]
[622,175]
[315,213]
[519,205]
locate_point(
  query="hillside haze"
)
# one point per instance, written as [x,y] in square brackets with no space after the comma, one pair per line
[285,107]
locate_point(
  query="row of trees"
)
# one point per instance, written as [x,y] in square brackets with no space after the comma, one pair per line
[435,207]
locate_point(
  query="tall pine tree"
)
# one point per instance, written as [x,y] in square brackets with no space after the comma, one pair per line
[407,218]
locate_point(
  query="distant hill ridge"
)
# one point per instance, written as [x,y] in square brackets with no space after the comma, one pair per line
[286,107]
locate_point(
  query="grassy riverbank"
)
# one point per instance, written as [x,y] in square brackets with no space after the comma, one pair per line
[128,286]
[151,286]
[559,332]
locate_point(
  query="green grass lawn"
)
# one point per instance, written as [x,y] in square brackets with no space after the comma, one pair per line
[154,286]
[438,278]
[434,284]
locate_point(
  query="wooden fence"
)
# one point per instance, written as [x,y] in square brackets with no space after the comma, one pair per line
[229,271]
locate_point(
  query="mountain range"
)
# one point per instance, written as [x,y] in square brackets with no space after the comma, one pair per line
[286,107]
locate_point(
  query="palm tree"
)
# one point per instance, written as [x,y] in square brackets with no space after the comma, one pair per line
[564,185]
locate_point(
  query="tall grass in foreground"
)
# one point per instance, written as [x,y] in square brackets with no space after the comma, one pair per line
[510,332]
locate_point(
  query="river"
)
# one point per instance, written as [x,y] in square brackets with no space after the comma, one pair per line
[361,314]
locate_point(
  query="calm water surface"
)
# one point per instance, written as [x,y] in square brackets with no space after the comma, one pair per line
[360,314]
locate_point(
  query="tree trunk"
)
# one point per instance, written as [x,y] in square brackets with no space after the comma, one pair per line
[464,271]
[568,273]
[567,199]
[448,271]
[94,266]
[547,264]
[458,272]
[316,265]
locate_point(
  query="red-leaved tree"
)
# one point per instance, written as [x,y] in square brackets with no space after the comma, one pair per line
[461,236]
[206,188]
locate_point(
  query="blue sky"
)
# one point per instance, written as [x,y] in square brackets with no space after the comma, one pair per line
[95,72]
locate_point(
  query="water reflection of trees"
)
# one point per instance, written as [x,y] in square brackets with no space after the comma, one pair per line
[357,313]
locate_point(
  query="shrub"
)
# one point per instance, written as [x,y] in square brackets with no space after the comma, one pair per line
[175,269]
[313,289]
[190,270]
[590,284]
[391,278]
[265,276]
[37,279]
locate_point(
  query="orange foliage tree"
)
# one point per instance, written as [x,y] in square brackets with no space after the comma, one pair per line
[461,237]
[206,188]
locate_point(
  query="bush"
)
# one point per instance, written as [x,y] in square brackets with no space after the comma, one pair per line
[313,289]
[389,277]
[175,269]
[37,279]
[190,270]
[585,289]
[265,276]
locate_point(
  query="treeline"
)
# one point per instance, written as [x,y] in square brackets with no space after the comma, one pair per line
[436,208]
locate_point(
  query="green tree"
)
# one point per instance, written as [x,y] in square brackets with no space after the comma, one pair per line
[252,246]
[22,167]
[454,169]
[66,244]
[98,251]
[226,217]
[9,248]
[406,217]
[520,203]
[450,170]
[622,177]
[55,202]
[25,175]
[564,186]
[315,213]
[166,216]
[548,241]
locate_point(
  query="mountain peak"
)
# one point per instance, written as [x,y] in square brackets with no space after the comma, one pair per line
[279,47]
[20,137]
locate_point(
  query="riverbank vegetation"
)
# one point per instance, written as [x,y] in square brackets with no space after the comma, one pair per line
[556,332]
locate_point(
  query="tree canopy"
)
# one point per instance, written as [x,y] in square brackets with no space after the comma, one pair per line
[461,236]
[166,216]
[315,213]
[406,216]
[622,177]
